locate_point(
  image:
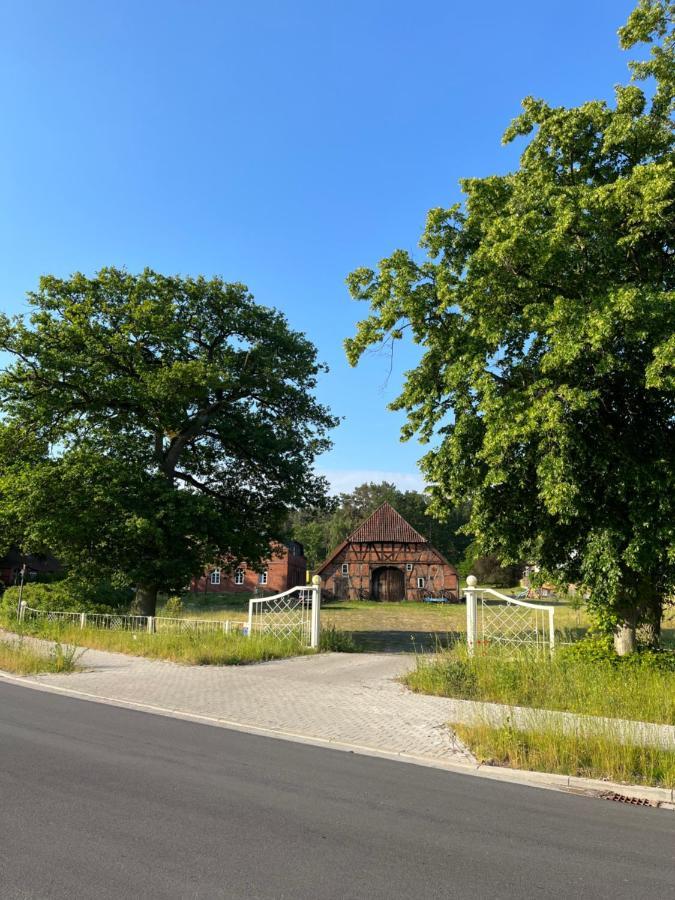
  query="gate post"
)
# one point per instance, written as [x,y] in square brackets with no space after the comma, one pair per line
[471,597]
[316,612]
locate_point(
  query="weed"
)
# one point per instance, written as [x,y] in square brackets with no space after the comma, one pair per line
[20,658]
[581,753]
[337,641]
[641,688]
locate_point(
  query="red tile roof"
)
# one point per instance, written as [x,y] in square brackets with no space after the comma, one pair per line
[385,524]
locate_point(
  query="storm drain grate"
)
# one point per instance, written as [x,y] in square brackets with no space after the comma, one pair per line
[621,798]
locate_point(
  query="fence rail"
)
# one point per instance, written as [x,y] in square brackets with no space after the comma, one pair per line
[295,613]
[147,624]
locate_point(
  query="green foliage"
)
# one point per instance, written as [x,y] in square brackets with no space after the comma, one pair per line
[19,657]
[488,570]
[69,596]
[586,754]
[599,648]
[189,648]
[591,680]
[546,310]
[320,530]
[173,608]
[151,423]
[335,641]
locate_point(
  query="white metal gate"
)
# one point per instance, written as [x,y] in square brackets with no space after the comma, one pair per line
[293,614]
[495,618]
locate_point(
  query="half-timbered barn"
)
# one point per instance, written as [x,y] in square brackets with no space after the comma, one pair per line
[385,558]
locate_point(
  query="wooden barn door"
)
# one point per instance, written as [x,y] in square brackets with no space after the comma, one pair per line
[388,584]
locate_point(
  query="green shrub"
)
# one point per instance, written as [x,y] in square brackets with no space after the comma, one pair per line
[333,640]
[600,648]
[67,595]
[173,608]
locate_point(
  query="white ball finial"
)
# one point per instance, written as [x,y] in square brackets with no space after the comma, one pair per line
[316,579]
[471,581]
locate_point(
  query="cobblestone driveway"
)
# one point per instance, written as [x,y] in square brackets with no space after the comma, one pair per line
[349,699]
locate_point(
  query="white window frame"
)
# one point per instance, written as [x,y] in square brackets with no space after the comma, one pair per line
[239,576]
[215,575]
[262,577]
[345,568]
[421,581]
[408,567]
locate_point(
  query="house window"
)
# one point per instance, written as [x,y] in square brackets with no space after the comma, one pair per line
[239,576]
[215,576]
[421,582]
[408,567]
[262,578]
[345,568]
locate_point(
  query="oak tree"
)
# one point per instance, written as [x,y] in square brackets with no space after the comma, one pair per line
[171,420]
[545,308]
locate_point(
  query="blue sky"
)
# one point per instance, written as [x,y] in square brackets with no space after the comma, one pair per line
[279,144]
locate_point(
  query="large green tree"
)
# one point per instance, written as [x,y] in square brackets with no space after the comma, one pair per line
[170,420]
[546,311]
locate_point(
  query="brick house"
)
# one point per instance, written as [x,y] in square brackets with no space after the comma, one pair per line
[36,566]
[385,558]
[285,568]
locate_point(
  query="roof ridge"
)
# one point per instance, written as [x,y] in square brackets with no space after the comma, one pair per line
[386,524]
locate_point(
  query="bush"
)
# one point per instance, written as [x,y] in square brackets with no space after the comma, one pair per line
[336,641]
[69,596]
[600,648]
[173,608]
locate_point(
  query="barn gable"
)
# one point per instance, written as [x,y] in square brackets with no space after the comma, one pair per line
[386,558]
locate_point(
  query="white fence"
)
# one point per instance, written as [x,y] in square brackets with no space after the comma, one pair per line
[295,613]
[114,622]
[292,614]
[495,618]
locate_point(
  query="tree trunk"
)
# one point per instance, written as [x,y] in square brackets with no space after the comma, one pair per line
[145,603]
[624,638]
[650,626]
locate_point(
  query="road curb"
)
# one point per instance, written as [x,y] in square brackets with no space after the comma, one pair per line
[662,798]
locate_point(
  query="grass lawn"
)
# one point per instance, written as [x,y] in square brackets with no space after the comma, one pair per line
[585,755]
[190,648]
[21,659]
[382,626]
[399,626]
[626,689]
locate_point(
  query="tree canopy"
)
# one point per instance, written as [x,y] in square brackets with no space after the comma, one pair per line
[151,423]
[545,309]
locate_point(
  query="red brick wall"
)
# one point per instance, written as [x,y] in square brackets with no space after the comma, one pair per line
[283,572]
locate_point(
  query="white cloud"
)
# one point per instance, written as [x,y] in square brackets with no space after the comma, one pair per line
[345,480]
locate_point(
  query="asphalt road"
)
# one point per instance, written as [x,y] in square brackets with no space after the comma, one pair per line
[99,802]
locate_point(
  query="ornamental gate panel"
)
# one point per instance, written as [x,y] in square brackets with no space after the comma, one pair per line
[493,618]
[293,614]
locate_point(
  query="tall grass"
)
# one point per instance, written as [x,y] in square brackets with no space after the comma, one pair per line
[600,687]
[191,648]
[20,659]
[585,754]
